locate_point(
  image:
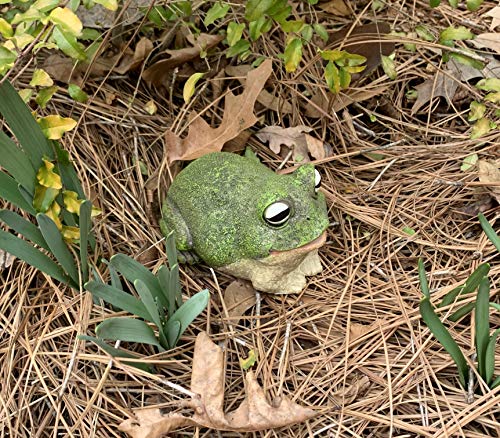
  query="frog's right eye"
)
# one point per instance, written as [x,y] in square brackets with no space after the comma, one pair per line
[277,213]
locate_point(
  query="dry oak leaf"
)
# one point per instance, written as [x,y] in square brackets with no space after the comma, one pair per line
[158,71]
[133,61]
[238,116]
[207,381]
[239,296]
[488,40]
[439,85]
[336,7]
[294,138]
[489,173]
[495,13]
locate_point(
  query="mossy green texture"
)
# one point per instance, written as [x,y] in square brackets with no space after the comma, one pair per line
[215,207]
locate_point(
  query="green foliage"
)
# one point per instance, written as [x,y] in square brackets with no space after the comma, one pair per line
[485,344]
[472,5]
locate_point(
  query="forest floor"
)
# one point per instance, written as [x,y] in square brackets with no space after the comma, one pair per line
[352,346]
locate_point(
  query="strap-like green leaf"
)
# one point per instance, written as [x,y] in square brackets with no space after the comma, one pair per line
[133,270]
[67,170]
[17,163]
[443,336]
[118,298]
[482,324]
[128,330]
[24,227]
[85,225]
[489,231]
[188,312]
[173,333]
[163,276]
[57,246]
[9,190]
[460,313]
[23,125]
[175,286]
[469,286]
[424,285]
[489,357]
[24,251]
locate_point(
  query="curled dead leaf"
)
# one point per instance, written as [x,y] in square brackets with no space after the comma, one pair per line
[133,60]
[238,116]
[239,296]
[489,174]
[207,381]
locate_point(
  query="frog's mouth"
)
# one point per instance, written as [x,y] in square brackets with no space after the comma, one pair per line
[308,247]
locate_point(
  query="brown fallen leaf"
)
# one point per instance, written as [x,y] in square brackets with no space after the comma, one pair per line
[294,138]
[439,85]
[488,40]
[207,381]
[350,393]
[239,296]
[158,71]
[495,13]
[238,116]
[357,330]
[264,98]
[489,173]
[63,69]
[336,7]
[132,61]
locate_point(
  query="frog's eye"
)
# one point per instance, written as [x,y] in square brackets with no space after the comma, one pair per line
[317,180]
[277,213]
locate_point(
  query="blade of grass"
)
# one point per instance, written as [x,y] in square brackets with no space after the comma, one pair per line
[469,286]
[171,249]
[495,383]
[128,330]
[85,225]
[57,246]
[489,231]
[17,163]
[9,190]
[443,336]
[24,251]
[133,270]
[23,125]
[489,357]
[424,285]
[482,324]
[115,352]
[24,227]
[188,312]
[118,298]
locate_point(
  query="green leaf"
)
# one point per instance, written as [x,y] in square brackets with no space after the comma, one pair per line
[467,60]
[345,77]
[133,270]
[111,5]
[7,58]
[164,280]
[45,5]
[250,361]
[495,98]
[67,170]
[408,230]
[171,249]
[187,313]
[115,352]
[473,5]
[118,298]
[24,227]
[292,26]
[321,32]
[173,333]
[460,313]
[477,111]
[9,190]
[57,246]
[443,336]
[44,95]
[469,162]
[293,54]
[6,29]
[23,125]
[482,323]
[234,32]
[68,44]
[424,33]
[434,3]
[255,9]
[77,93]
[217,11]
[24,251]
[17,163]
[469,286]
[258,27]
[279,11]
[189,86]
[389,67]
[489,231]
[332,77]
[333,55]
[489,357]
[456,34]
[307,32]
[240,47]
[424,285]
[489,84]
[84,224]
[128,330]
[480,128]
[41,78]
[66,20]
[54,126]
[495,383]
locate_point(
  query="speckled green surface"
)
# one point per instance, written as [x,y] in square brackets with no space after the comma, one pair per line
[215,206]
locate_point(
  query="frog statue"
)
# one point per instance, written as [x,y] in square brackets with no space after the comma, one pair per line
[240,217]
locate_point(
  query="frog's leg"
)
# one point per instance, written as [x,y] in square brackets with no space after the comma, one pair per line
[173,220]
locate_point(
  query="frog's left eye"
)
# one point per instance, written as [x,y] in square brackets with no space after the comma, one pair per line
[317,180]
[277,213]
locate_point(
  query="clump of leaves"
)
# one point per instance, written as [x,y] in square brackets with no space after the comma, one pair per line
[472,5]
[341,65]
[485,344]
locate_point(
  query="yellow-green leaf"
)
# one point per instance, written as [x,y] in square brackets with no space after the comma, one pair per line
[250,361]
[95,211]
[54,127]
[424,33]
[23,40]
[333,55]
[68,44]
[493,97]
[112,5]
[53,212]
[321,32]
[469,161]
[26,94]
[44,198]
[234,32]
[489,84]
[71,201]
[408,230]
[7,58]
[41,79]
[389,67]
[67,20]
[44,95]
[151,107]
[28,16]
[5,28]
[292,26]
[473,5]
[293,54]
[77,93]
[332,77]
[480,128]
[189,86]
[217,11]
[455,33]
[70,234]
[45,5]
[477,111]
[344,77]
[47,177]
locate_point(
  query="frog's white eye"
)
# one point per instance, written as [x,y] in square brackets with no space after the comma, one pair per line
[277,213]
[317,180]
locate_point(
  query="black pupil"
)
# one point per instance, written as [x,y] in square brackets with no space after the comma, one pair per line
[282,215]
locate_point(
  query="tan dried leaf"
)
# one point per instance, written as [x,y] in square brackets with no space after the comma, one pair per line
[495,13]
[158,71]
[489,173]
[131,61]
[336,7]
[62,69]
[440,84]
[207,381]
[239,296]
[488,40]
[238,116]
[357,330]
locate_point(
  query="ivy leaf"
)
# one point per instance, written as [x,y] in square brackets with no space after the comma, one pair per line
[77,93]
[68,44]
[257,8]
[44,95]
[217,11]
[47,177]
[5,28]
[41,78]
[332,77]
[477,111]
[7,58]
[189,86]
[67,20]
[234,32]
[293,54]
[455,34]
[53,127]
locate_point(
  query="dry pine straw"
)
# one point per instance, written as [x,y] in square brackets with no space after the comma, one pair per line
[355,323]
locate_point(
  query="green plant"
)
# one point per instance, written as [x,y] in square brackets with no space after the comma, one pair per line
[472,5]
[485,344]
